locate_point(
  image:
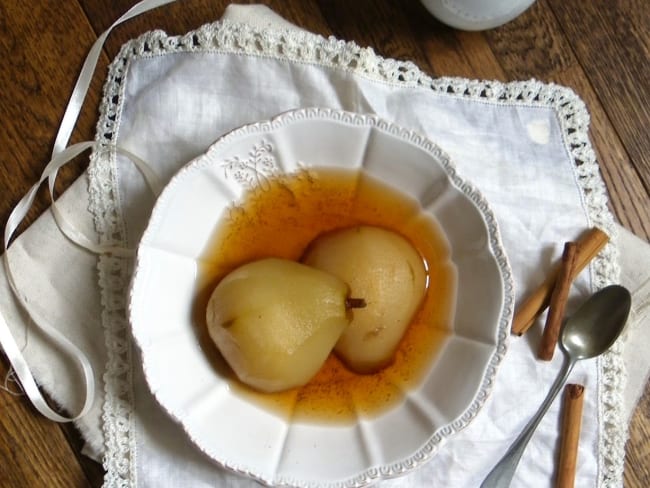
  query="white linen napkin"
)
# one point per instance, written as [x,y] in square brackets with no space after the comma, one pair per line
[175,96]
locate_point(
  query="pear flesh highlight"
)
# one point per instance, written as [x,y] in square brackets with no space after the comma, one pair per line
[387,271]
[275,321]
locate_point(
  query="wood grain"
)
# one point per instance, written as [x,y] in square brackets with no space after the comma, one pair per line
[613,54]
[531,47]
[599,49]
[33,450]
[637,459]
[380,25]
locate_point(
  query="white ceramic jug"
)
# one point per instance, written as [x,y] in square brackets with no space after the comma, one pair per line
[476,14]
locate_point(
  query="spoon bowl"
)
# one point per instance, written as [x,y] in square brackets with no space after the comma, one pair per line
[596,325]
[588,333]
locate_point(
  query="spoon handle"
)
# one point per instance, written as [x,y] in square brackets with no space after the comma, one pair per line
[501,475]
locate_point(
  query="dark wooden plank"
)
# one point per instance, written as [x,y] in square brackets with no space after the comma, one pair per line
[384,26]
[33,450]
[39,63]
[175,18]
[613,49]
[42,47]
[532,45]
[637,457]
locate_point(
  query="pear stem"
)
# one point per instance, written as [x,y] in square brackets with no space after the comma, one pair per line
[355,303]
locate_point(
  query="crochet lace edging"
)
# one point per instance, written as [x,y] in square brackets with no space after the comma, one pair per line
[114,273]
[302,47]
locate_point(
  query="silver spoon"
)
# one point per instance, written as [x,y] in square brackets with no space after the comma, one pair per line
[586,334]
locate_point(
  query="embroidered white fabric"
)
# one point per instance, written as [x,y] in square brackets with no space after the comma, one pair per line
[167,98]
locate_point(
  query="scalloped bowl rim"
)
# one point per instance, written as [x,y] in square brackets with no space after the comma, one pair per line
[287,121]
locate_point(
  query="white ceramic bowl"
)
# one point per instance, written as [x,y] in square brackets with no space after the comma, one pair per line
[250,440]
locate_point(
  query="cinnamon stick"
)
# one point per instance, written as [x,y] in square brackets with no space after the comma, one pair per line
[589,245]
[570,435]
[558,302]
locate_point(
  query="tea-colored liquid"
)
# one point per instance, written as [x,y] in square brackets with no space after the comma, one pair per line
[280,218]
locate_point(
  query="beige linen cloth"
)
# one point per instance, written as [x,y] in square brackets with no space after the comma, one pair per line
[61,280]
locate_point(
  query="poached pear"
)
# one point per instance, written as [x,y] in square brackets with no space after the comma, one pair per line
[389,273]
[275,321]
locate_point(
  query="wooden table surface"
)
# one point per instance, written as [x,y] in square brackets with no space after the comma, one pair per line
[600,48]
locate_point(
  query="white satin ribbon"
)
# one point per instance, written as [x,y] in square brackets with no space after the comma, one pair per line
[60,156]
[85,76]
